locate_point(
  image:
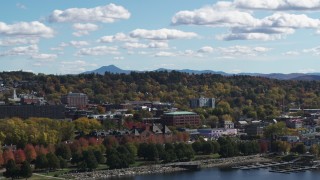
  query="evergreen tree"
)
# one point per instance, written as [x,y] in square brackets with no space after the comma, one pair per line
[25,170]
[12,170]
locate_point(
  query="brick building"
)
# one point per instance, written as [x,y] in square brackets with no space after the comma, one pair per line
[181,118]
[78,100]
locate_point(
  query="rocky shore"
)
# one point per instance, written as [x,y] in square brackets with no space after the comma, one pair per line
[165,168]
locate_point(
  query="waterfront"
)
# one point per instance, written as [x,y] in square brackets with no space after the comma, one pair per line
[227,174]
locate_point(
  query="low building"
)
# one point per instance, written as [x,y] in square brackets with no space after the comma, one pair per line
[202,102]
[294,123]
[227,124]
[215,133]
[181,118]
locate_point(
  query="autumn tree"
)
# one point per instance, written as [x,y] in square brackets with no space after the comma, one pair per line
[30,152]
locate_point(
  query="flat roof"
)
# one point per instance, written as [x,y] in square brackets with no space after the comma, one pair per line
[180,113]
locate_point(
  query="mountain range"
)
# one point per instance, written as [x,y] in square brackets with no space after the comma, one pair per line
[293,76]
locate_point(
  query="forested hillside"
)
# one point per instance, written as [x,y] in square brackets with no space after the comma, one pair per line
[236,96]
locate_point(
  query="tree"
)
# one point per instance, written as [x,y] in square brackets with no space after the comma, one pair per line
[12,170]
[63,150]
[299,148]
[207,147]
[41,162]
[99,156]
[19,156]
[7,155]
[87,125]
[25,170]
[30,152]
[90,160]
[63,162]
[197,147]
[53,161]
[278,129]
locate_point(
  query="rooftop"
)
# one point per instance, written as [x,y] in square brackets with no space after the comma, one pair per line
[180,113]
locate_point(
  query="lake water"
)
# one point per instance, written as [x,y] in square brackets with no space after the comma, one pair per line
[228,174]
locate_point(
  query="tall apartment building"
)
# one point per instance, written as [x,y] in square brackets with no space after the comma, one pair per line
[202,102]
[78,100]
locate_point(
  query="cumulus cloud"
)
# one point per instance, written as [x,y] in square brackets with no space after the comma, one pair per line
[105,14]
[313,51]
[44,56]
[291,53]
[97,51]
[31,51]
[117,37]
[21,51]
[185,53]
[278,4]
[118,58]
[242,51]
[206,49]
[154,44]
[164,54]
[33,29]
[78,66]
[243,26]
[78,44]
[18,41]
[84,29]
[162,34]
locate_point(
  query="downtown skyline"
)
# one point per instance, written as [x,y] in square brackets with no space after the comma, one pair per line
[256,36]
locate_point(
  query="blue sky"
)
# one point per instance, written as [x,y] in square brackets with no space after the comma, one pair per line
[67,37]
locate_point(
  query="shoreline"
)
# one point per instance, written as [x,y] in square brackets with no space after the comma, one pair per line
[166,168]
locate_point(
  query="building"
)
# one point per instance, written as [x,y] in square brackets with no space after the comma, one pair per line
[217,132]
[254,129]
[202,102]
[181,118]
[294,123]
[78,100]
[27,111]
[227,124]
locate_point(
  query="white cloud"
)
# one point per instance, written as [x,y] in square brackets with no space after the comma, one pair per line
[242,51]
[117,37]
[106,14]
[134,45]
[44,56]
[214,16]
[278,4]
[78,44]
[73,67]
[21,6]
[18,41]
[206,49]
[84,29]
[34,29]
[162,34]
[305,71]
[291,53]
[243,26]
[165,54]
[313,51]
[21,51]
[185,53]
[154,44]
[158,44]
[118,58]
[97,51]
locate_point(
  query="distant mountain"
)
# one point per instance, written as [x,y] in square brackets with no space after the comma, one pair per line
[293,76]
[111,68]
[189,71]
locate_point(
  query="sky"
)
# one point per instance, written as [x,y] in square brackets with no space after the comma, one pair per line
[70,37]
